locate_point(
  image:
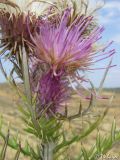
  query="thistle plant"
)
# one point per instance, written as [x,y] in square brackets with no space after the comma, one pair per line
[50,53]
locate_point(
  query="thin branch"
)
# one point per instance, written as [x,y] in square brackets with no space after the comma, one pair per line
[2,70]
[66,110]
[81,113]
[104,77]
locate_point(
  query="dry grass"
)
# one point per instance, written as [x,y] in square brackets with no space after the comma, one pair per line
[10,114]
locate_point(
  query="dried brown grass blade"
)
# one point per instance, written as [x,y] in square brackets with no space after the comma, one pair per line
[43,1]
[8,2]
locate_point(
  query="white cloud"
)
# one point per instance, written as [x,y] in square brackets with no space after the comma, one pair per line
[107,18]
[110,12]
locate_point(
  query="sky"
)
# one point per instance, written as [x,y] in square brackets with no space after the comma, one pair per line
[109,17]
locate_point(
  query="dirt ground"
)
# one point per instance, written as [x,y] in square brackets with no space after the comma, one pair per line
[11,115]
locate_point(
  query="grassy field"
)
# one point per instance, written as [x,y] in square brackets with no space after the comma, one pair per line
[8,109]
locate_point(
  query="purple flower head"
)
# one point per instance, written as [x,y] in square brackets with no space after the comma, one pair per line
[64,47]
[66,44]
[52,91]
[14,32]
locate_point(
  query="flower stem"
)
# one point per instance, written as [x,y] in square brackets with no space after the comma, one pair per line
[48,151]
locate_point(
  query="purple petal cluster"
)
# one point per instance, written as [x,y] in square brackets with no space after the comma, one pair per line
[52,92]
[64,46]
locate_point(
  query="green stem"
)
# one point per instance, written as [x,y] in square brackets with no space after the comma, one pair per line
[48,151]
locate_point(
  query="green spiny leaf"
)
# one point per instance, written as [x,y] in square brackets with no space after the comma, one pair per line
[113,131]
[23,111]
[18,153]
[4,149]
[34,154]
[83,135]
[31,131]
[27,148]
[98,143]
[85,154]
[26,76]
